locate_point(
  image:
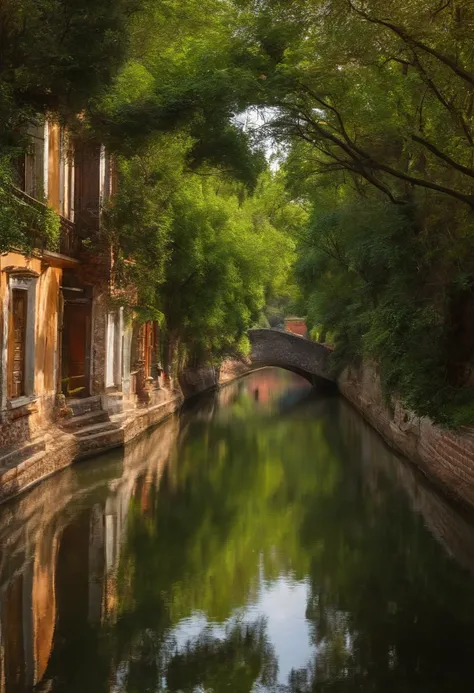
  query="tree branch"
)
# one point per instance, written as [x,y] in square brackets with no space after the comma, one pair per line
[443,101]
[468,199]
[437,152]
[362,162]
[365,165]
[440,9]
[415,43]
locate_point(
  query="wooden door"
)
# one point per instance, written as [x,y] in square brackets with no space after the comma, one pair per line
[16,343]
[149,348]
[76,348]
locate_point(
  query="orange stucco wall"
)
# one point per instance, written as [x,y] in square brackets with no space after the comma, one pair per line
[24,423]
[47,296]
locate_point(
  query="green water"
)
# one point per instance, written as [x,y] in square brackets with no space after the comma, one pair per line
[266,540]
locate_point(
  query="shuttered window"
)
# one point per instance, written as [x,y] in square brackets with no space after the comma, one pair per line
[33,183]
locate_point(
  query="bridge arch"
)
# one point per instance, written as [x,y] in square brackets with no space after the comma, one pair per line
[270,347]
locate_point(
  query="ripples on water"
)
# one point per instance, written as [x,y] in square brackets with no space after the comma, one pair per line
[264,541]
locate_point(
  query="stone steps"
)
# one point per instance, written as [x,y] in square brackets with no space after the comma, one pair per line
[96,428]
[115,403]
[83,420]
[83,406]
[30,460]
[119,418]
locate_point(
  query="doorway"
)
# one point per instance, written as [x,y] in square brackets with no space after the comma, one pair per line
[75,348]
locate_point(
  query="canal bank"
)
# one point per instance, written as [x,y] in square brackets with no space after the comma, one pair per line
[91,428]
[445,456]
[58,449]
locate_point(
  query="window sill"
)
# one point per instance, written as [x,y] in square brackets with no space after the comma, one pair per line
[18,402]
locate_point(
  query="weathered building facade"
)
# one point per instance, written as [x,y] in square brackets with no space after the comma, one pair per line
[62,336]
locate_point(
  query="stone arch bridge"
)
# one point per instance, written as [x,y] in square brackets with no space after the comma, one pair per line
[289,351]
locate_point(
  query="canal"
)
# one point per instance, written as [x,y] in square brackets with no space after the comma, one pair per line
[266,540]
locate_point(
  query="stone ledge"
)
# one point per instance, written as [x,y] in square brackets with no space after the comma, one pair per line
[445,457]
[64,450]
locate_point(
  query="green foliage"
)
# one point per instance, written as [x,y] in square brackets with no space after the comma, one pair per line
[56,56]
[226,260]
[373,102]
[200,252]
[184,73]
[204,254]
[373,90]
[383,290]
[23,226]
[139,217]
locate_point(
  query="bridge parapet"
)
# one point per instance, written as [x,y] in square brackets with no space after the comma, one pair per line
[294,353]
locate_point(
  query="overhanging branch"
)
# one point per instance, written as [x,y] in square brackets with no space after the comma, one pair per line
[415,43]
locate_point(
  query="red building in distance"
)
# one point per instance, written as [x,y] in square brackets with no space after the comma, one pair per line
[296,326]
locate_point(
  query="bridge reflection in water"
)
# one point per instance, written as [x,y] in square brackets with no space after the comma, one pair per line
[149,569]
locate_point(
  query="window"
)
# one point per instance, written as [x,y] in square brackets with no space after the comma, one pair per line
[18,357]
[48,167]
[17,343]
[67,177]
[34,163]
[54,166]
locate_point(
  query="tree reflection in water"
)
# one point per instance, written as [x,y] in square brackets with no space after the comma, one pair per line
[237,660]
[275,551]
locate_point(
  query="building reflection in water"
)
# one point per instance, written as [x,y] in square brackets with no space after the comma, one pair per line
[68,530]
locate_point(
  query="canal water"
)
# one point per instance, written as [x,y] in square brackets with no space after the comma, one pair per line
[266,540]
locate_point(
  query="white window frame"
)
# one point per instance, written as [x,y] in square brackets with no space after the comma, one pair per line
[28,284]
[114,349]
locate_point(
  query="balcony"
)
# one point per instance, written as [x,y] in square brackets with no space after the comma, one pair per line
[68,244]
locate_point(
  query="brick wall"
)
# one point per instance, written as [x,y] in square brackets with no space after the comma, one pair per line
[296,326]
[446,457]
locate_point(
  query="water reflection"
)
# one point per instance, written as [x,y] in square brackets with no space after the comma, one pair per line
[266,541]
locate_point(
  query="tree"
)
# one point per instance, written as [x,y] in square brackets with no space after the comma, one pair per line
[375,92]
[56,56]
[374,101]
[206,256]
